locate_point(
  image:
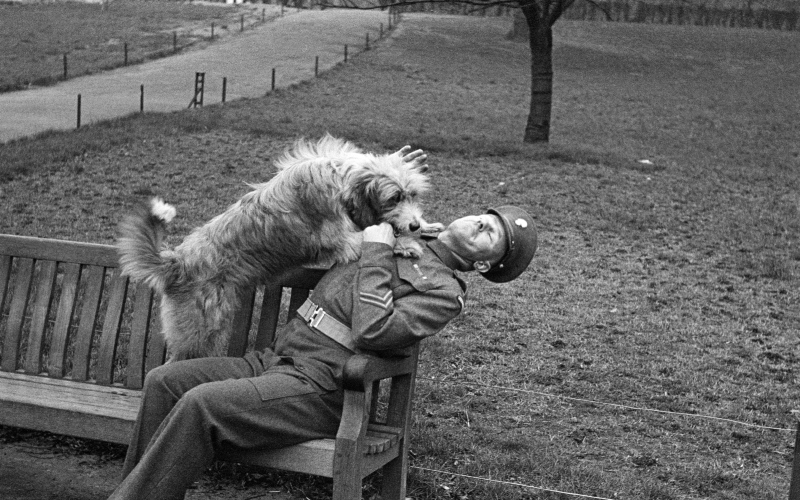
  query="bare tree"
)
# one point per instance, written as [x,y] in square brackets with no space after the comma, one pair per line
[540,15]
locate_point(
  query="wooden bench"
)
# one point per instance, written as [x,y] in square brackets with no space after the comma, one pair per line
[77,339]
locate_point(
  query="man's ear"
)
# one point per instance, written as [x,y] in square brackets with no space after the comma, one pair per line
[481,266]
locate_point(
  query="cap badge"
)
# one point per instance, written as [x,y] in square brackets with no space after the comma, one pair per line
[521,223]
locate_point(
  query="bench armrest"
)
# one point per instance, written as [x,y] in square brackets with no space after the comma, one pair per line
[361,370]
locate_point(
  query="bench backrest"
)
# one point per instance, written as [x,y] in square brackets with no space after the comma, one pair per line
[67,312]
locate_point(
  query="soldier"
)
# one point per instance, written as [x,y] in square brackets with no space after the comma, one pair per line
[293,392]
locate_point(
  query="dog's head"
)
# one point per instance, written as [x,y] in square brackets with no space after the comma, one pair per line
[385,189]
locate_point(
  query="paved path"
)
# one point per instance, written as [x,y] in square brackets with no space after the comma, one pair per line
[289,44]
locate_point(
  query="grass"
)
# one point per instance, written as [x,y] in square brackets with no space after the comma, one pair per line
[35,36]
[671,285]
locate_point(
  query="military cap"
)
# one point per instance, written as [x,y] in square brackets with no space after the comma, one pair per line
[521,244]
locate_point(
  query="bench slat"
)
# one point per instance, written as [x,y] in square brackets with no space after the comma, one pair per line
[58,250]
[5,275]
[140,325]
[157,347]
[16,314]
[66,308]
[95,282]
[45,285]
[67,407]
[237,343]
[270,313]
[299,295]
[315,457]
[111,326]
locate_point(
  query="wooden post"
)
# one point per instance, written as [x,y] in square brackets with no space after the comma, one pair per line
[241,23]
[79,112]
[273,78]
[126,53]
[263,15]
[224,87]
[381,32]
[366,47]
[174,41]
[65,65]
[141,98]
[345,52]
[316,66]
[212,31]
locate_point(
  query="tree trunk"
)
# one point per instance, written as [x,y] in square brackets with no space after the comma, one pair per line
[541,43]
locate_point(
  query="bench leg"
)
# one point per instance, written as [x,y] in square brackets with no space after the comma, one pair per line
[394,476]
[347,472]
[794,486]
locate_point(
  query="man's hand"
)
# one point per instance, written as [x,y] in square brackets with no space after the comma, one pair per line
[382,233]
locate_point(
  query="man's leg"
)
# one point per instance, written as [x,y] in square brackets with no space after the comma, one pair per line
[273,410]
[166,384]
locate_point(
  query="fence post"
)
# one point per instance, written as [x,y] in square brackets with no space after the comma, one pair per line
[345,52]
[263,15]
[381,32]
[241,23]
[79,112]
[212,31]
[174,41]
[65,65]
[224,88]
[141,98]
[366,47]
[273,78]
[316,66]
[126,53]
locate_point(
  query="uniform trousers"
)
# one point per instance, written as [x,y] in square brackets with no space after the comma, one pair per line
[193,409]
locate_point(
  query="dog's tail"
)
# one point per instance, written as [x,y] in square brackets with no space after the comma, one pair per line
[140,241]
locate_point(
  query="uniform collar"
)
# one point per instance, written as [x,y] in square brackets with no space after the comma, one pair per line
[445,254]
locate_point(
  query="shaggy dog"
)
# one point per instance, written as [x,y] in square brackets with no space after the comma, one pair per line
[313,210]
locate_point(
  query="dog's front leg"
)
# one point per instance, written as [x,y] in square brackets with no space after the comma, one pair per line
[430,228]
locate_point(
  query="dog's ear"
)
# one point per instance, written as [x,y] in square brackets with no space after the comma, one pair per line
[358,198]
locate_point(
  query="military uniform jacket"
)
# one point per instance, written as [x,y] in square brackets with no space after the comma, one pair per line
[389,303]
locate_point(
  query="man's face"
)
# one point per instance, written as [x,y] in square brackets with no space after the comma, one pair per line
[477,237]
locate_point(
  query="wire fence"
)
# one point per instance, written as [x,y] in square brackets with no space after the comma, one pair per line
[591,402]
[614,405]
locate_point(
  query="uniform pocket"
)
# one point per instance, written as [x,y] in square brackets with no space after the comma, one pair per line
[409,271]
[274,386]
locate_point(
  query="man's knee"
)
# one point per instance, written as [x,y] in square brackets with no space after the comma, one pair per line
[163,380]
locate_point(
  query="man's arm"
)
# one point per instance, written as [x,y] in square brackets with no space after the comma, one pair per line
[381,323]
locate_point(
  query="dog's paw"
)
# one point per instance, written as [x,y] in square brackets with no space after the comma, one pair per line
[414,159]
[407,246]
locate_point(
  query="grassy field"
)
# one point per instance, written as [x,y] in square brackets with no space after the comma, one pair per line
[670,285]
[34,37]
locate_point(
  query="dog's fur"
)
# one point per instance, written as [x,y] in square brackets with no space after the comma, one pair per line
[313,210]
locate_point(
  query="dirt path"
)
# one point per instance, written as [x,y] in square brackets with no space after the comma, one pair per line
[289,44]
